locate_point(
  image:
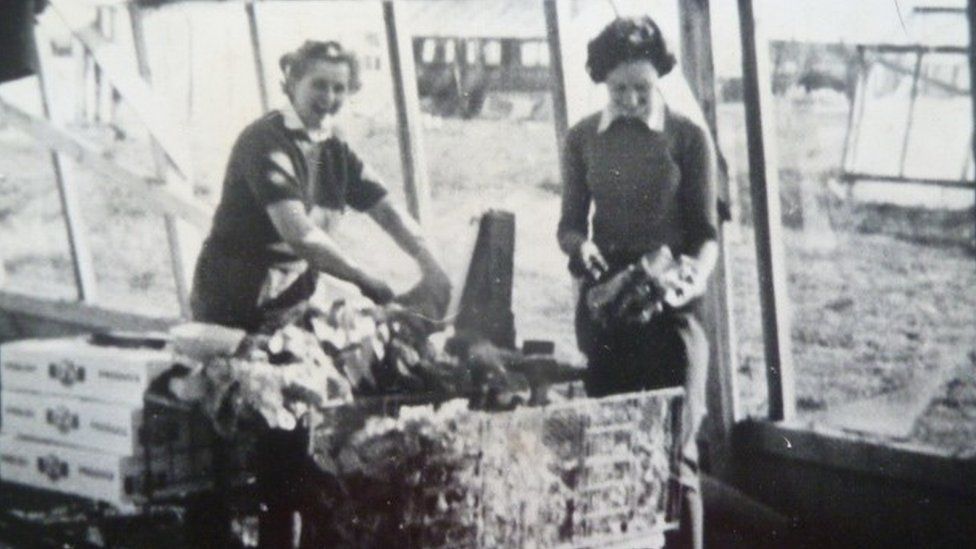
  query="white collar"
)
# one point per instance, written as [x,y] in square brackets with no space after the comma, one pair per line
[293,122]
[654,120]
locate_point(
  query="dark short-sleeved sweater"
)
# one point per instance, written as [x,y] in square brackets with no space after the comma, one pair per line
[647,188]
[267,165]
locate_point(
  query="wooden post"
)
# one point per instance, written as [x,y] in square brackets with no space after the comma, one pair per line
[252,25]
[854,113]
[407,102]
[105,94]
[557,76]
[764,190]
[722,399]
[178,234]
[912,100]
[971,17]
[81,259]
[80,56]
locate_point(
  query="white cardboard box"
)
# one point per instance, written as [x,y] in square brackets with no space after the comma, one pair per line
[106,427]
[104,477]
[75,367]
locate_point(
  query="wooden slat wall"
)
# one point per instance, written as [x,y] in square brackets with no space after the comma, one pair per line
[764,190]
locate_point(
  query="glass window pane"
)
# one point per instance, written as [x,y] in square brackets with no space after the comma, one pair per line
[450,51]
[879,279]
[429,51]
[471,49]
[493,52]
[529,53]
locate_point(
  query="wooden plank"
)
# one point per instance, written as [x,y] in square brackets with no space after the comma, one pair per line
[912,48]
[255,35]
[80,56]
[557,77]
[81,258]
[971,19]
[849,133]
[722,398]
[912,100]
[83,315]
[764,190]
[968,161]
[923,465]
[852,177]
[105,93]
[407,102]
[184,244]
[155,197]
[140,97]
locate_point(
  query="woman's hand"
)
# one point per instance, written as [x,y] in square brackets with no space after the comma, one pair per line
[432,295]
[688,282]
[592,259]
[437,283]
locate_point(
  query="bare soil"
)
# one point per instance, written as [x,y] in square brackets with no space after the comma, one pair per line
[881,296]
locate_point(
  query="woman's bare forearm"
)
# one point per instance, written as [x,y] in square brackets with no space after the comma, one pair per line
[311,243]
[405,233]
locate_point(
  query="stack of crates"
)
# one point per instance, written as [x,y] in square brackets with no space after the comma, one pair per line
[612,464]
[73,419]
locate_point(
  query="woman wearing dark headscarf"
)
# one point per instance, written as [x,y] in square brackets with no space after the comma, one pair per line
[288,180]
[648,175]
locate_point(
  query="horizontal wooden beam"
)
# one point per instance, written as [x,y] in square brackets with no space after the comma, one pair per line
[912,48]
[136,92]
[853,177]
[905,462]
[87,316]
[158,198]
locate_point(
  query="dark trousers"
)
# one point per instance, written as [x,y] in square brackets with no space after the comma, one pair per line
[281,465]
[245,291]
[671,350]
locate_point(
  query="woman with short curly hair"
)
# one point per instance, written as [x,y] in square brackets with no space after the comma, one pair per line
[289,179]
[638,177]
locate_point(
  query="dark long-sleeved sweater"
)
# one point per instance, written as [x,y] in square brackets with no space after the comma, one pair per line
[647,188]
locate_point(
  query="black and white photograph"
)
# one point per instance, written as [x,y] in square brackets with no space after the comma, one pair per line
[479,274]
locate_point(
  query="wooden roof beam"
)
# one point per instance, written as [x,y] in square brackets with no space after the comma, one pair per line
[157,198]
[137,93]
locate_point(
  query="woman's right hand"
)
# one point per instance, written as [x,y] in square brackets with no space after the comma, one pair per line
[592,260]
[375,289]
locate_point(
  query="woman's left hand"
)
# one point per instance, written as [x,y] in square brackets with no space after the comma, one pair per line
[435,280]
[689,282]
[431,296]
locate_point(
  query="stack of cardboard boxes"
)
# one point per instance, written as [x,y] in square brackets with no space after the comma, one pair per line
[74,419]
